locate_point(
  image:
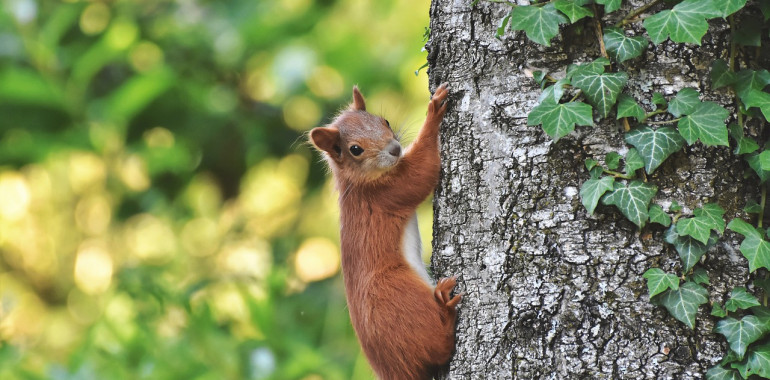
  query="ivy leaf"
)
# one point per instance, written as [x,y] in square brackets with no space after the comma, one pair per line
[685,102]
[700,276]
[743,228]
[573,9]
[591,163]
[501,27]
[659,281]
[758,362]
[601,89]
[654,145]
[633,161]
[754,163]
[658,99]
[752,207]
[683,303]
[621,47]
[759,99]
[627,107]
[593,67]
[675,206]
[749,32]
[610,5]
[540,23]
[686,22]
[612,160]
[740,333]
[713,213]
[690,250]
[721,75]
[747,80]
[707,123]
[717,311]
[741,299]
[728,7]
[558,120]
[657,215]
[632,200]
[718,372]
[745,144]
[765,7]
[593,189]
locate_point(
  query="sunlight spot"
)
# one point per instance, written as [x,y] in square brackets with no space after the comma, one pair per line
[150,238]
[93,268]
[317,259]
[252,259]
[146,56]
[158,137]
[326,82]
[301,113]
[133,172]
[200,237]
[94,18]
[86,171]
[122,34]
[14,196]
[93,214]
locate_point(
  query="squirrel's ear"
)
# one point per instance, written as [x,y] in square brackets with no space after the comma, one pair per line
[327,139]
[358,100]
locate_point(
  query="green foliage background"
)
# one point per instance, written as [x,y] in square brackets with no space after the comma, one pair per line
[161,216]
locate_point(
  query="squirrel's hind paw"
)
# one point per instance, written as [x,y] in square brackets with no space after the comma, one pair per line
[443,291]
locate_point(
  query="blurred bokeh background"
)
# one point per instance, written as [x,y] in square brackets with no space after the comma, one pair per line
[161,215]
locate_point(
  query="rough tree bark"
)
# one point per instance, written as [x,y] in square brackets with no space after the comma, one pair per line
[550,291]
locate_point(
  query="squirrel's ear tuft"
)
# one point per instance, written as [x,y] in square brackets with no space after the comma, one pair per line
[327,139]
[358,100]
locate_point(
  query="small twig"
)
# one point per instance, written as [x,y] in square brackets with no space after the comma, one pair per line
[599,33]
[651,114]
[762,199]
[629,17]
[617,174]
[663,122]
[626,126]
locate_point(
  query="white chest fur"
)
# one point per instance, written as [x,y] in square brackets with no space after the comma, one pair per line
[412,248]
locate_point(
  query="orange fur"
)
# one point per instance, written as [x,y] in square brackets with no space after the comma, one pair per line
[405,326]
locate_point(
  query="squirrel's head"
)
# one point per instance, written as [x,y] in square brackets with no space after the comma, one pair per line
[359,146]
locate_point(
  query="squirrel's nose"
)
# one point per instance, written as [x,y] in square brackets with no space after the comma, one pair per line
[395,150]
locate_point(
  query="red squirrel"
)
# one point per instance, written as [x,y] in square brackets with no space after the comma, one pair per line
[405,325]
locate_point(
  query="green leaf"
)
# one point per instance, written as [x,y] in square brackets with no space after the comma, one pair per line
[685,102]
[717,311]
[721,75]
[633,161]
[749,32]
[700,276]
[574,10]
[137,93]
[743,228]
[713,213]
[741,299]
[658,99]
[657,215]
[752,207]
[754,163]
[707,123]
[757,252]
[601,89]
[593,189]
[540,23]
[683,303]
[686,22]
[764,5]
[690,250]
[759,99]
[22,86]
[632,200]
[612,160]
[764,160]
[675,206]
[654,145]
[744,144]
[627,107]
[747,80]
[718,372]
[610,5]
[728,7]
[503,23]
[621,47]
[758,362]
[740,333]
[659,281]
[591,163]
[558,120]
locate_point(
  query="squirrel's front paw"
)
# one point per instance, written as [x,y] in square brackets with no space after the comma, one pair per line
[443,290]
[437,105]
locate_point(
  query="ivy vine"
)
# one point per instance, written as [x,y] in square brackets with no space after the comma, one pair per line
[596,88]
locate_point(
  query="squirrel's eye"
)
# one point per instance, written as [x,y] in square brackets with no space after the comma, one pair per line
[356,150]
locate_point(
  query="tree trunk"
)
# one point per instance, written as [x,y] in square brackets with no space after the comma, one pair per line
[550,291]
